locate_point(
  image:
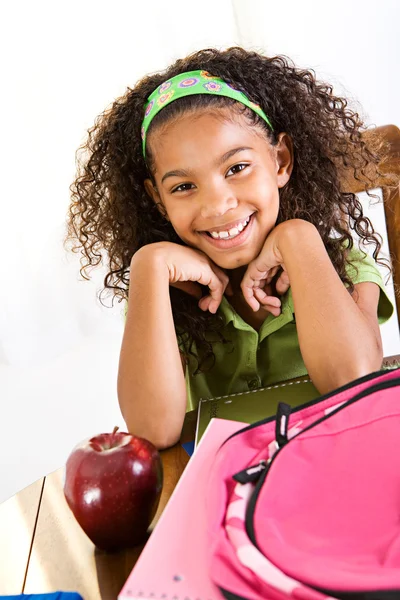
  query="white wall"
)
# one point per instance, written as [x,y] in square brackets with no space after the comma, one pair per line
[355,47]
[65,63]
[354,44]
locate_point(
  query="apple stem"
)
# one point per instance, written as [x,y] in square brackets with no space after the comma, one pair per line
[115,429]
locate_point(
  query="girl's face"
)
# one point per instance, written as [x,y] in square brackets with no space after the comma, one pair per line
[218,180]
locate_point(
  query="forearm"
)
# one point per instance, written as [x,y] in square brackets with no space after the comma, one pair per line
[336,341]
[151,384]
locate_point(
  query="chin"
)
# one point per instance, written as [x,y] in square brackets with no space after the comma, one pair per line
[232,262]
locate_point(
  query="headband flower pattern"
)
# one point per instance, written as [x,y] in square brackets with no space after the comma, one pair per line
[165,98]
[164,87]
[191,83]
[188,82]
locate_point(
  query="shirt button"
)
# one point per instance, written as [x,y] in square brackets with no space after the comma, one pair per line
[253,384]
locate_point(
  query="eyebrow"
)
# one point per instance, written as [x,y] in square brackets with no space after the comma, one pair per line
[219,162]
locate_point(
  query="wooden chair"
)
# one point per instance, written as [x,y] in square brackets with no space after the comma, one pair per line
[391,196]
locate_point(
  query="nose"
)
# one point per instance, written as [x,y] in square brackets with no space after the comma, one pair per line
[217,200]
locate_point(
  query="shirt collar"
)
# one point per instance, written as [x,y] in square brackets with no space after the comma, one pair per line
[270,324]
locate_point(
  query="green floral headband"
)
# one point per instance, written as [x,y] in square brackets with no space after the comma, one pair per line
[188,84]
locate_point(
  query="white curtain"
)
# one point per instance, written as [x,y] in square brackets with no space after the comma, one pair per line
[63,64]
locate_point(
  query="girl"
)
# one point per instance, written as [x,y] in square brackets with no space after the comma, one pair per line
[216,190]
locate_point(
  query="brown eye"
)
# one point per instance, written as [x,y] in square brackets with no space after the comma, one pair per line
[184,187]
[237,168]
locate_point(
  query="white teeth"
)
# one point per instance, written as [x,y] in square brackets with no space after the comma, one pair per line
[231,233]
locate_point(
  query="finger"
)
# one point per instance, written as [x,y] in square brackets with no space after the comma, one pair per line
[273,310]
[283,283]
[248,285]
[224,279]
[270,303]
[266,298]
[217,281]
[271,274]
[266,287]
[248,294]
[204,303]
[253,278]
[216,287]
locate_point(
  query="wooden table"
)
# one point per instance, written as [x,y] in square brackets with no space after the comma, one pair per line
[43,549]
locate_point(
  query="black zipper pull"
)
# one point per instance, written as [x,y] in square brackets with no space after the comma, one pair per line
[282,424]
[251,474]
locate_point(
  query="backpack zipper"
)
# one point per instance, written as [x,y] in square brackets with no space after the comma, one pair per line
[249,520]
[344,388]
[253,473]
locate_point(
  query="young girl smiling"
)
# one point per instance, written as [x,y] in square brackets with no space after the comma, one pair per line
[216,190]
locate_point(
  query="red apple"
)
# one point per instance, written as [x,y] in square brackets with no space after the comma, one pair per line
[113,483]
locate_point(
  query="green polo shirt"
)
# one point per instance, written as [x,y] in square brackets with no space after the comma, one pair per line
[259,358]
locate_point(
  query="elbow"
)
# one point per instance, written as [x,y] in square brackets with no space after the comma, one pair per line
[367,361]
[161,439]
[370,360]
[160,426]
[368,357]
[363,367]
[158,432]
[165,442]
[345,373]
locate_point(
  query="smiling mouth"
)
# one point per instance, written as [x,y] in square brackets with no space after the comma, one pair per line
[236,236]
[230,234]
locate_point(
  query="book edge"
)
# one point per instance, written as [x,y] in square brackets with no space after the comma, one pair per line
[125,596]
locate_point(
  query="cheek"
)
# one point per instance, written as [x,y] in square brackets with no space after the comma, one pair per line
[262,185]
[270,193]
[180,216]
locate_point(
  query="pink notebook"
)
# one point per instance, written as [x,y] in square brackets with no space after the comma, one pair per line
[173,564]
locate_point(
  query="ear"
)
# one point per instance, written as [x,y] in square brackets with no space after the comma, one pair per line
[151,190]
[153,193]
[284,159]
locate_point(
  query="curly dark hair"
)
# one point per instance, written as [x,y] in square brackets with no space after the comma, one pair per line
[112,215]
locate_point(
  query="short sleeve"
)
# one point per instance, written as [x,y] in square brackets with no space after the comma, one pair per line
[362,267]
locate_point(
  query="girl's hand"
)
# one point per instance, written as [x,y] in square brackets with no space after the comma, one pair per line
[256,283]
[187,268]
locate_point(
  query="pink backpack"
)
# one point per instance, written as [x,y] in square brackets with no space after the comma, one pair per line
[306,505]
